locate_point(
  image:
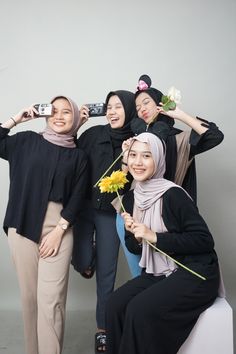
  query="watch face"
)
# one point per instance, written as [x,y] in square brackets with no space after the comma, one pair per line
[64,226]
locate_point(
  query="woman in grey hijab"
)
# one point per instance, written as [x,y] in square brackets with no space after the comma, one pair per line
[155,312]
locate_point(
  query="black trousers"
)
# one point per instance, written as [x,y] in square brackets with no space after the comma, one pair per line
[154,315]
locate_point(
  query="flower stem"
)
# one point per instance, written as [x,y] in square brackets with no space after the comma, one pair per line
[122,206]
[154,118]
[174,260]
[113,163]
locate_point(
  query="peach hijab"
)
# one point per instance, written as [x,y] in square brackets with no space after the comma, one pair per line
[68,139]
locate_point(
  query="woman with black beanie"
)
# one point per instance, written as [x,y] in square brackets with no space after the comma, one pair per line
[102,143]
[181,146]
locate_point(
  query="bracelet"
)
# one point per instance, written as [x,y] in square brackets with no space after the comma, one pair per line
[124,163]
[13,120]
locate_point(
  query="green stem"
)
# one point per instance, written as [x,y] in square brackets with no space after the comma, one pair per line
[174,260]
[113,163]
[122,206]
[152,120]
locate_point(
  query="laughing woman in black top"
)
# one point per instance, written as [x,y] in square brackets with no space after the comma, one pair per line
[103,144]
[155,312]
[47,179]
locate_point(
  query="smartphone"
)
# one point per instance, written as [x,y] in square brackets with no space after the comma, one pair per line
[96,109]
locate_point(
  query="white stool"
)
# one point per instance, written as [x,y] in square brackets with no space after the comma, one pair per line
[213,332]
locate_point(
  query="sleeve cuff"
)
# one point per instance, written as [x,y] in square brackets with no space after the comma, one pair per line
[4,131]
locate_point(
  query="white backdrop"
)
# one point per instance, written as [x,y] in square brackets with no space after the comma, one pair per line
[84,49]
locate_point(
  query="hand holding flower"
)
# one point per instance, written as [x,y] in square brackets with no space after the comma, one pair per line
[112,184]
[128,220]
[176,113]
[168,104]
[141,231]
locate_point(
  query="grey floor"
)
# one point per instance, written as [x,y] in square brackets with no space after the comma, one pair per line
[79,333]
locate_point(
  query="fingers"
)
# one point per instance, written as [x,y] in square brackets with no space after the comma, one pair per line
[126,144]
[30,112]
[46,250]
[34,111]
[141,231]
[128,219]
[136,227]
[138,230]
[55,252]
[84,113]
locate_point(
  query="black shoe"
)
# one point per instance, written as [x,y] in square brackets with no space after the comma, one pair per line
[100,342]
[89,272]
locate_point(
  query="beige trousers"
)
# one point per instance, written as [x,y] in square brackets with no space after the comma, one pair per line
[43,286]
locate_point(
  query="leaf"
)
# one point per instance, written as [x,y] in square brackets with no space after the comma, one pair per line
[169,106]
[164,99]
[172,105]
[165,108]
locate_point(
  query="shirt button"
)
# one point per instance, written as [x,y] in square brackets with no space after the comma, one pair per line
[98,200]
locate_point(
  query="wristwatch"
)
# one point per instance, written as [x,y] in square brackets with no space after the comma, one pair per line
[64,226]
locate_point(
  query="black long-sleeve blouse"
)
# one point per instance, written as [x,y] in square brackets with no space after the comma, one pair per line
[41,172]
[97,144]
[187,239]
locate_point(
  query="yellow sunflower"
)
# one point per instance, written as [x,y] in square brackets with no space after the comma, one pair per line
[113,183]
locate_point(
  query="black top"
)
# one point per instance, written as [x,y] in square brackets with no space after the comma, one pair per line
[164,129]
[40,172]
[96,142]
[188,238]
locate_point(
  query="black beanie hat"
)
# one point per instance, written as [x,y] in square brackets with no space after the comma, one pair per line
[144,85]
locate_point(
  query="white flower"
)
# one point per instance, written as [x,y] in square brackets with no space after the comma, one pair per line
[174,95]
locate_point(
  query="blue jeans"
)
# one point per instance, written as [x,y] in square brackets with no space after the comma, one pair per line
[132,259]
